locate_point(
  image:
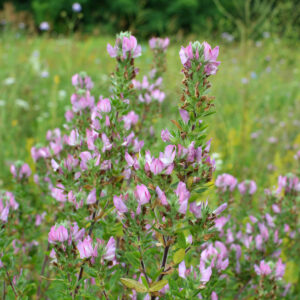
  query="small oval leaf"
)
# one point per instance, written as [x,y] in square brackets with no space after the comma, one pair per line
[133,284]
[178,256]
[157,286]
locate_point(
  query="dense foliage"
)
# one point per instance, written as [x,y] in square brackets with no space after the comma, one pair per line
[250,17]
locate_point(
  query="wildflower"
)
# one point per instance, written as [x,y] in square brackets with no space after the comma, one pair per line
[86,249]
[104,105]
[110,249]
[159,43]
[126,46]
[119,204]
[57,234]
[142,194]
[226,182]
[183,194]
[263,269]
[44,26]
[247,186]
[161,196]
[91,198]
[76,7]
[165,135]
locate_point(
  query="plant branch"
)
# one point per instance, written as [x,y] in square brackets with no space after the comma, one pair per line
[11,284]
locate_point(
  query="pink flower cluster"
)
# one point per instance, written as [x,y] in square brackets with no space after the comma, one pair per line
[7,202]
[126,47]
[200,54]
[159,43]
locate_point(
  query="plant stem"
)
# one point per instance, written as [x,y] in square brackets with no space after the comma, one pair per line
[43,271]
[11,284]
[163,264]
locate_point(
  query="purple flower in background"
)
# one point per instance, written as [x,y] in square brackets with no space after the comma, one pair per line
[165,135]
[263,269]
[44,26]
[247,186]
[76,7]
[226,182]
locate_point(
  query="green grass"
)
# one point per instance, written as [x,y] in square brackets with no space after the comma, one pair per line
[269,103]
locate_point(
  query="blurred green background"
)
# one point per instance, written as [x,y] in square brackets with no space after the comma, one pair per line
[256,130]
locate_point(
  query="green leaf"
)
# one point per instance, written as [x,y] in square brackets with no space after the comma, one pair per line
[179,256]
[133,284]
[157,286]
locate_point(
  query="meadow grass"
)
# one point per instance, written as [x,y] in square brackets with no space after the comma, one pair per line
[255,130]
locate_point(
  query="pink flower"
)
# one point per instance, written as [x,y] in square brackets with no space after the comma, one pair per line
[86,249]
[210,56]
[184,115]
[132,162]
[142,194]
[159,43]
[226,182]
[119,204]
[205,272]
[4,211]
[107,145]
[57,234]
[112,51]
[74,138]
[183,194]
[182,269]
[214,296]
[220,209]
[156,166]
[279,269]
[263,269]
[91,198]
[110,249]
[196,209]
[130,119]
[58,193]
[186,54]
[161,196]
[165,135]
[168,156]
[104,105]
[247,186]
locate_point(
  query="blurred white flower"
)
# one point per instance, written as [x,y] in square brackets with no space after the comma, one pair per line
[76,7]
[2,102]
[272,140]
[244,80]
[266,34]
[62,94]
[44,74]
[44,26]
[9,81]
[22,103]
[227,37]
[258,44]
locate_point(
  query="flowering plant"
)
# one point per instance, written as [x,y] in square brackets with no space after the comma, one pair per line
[126,218]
